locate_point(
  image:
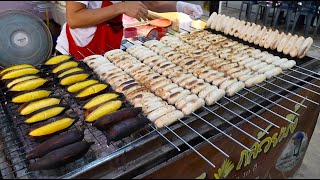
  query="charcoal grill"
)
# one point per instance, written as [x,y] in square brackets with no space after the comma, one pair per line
[150,149]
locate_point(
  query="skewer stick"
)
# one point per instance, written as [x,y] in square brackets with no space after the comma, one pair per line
[165,137]
[297,85]
[191,147]
[91,51]
[307,70]
[271,101]
[222,132]
[263,108]
[247,109]
[213,145]
[294,94]
[252,137]
[245,118]
[281,95]
[301,80]
[304,74]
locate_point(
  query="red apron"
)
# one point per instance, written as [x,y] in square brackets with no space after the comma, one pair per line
[108,36]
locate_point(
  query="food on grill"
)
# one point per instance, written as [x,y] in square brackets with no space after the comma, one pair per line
[232,89]
[20,79]
[288,65]
[69,71]
[124,128]
[29,84]
[102,110]
[57,59]
[28,96]
[61,156]
[168,119]
[19,72]
[305,47]
[91,91]
[255,80]
[284,42]
[59,125]
[100,99]
[15,67]
[295,48]
[56,142]
[154,115]
[262,36]
[35,105]
[81,85]
[64,65]
[273,72]
[45,113]
[106,121]
[291,42]
[211,18]
[72,78]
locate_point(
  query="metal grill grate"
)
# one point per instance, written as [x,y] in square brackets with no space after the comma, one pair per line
[185,134]
[15,141]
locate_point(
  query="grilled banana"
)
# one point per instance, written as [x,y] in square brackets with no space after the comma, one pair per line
[91,91]
[61,157]
[69,71]
[124,128]
[105,122]
[80,85]
[55,143]
[19,72]
[29,84]
[53,127]
[64,65]
[74,78]
[103,110]
[100,99]
[45,113]
[31,95]
[57,59]
[20,79]
[15,67]
[35,105]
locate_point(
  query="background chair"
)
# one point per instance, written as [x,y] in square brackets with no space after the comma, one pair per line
[309,10]
[249,5]
[289,8]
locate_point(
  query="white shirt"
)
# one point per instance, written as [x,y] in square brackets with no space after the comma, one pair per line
[81,36]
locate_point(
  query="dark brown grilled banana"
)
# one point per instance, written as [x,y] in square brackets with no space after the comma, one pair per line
[61,157]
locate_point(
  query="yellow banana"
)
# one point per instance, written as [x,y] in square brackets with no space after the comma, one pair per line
[72,70]
[29,84]
[103,110]
[19,72]
[15,67]
[71,79]
[80,85]
[91,90]
[53,127]
[15,81]
[57,59]
[33,106]
[31,95]
[45,113]
[100,99]
[66,65]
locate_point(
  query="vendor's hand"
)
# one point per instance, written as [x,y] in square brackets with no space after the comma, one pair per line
[194,11]
[135,9]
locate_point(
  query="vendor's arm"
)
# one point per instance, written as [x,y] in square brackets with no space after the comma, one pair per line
[194,11]
[78,16]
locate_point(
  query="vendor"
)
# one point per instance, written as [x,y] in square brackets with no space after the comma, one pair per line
[97,25]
